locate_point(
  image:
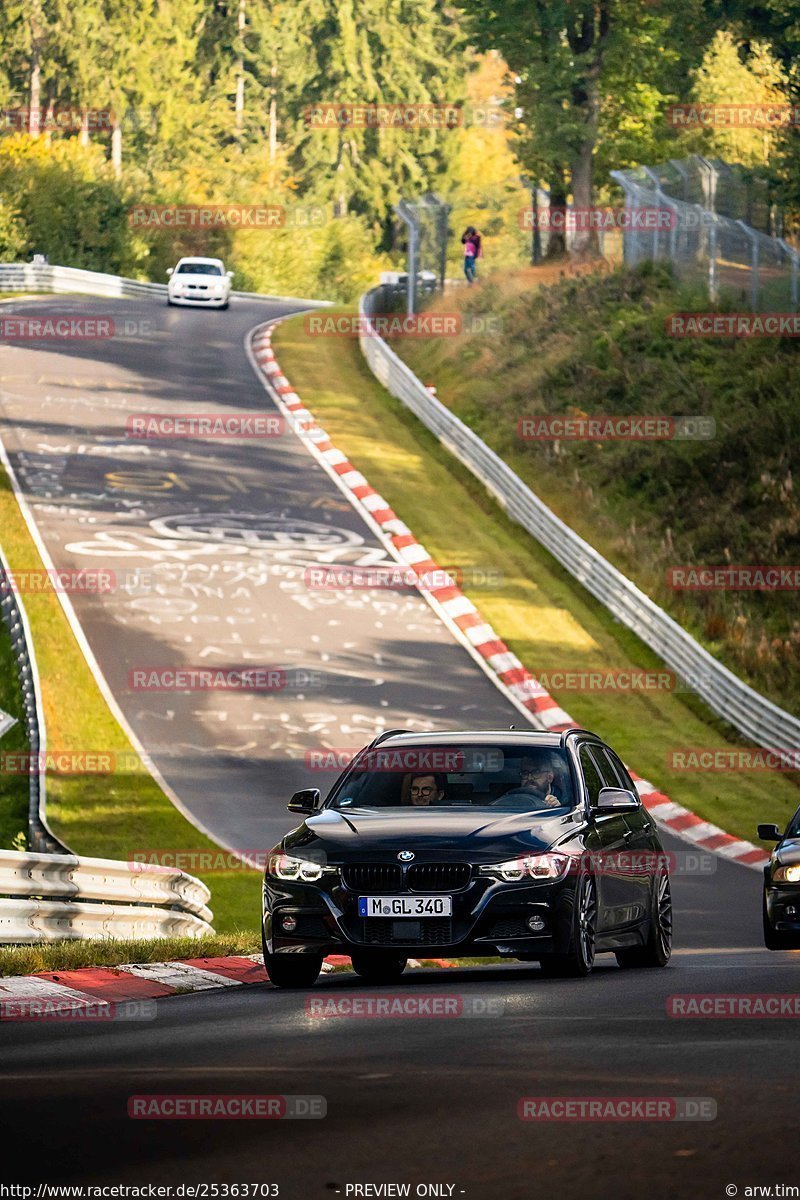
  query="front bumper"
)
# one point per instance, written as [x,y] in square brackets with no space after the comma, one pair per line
[199,301]
[489,918]
[781,899]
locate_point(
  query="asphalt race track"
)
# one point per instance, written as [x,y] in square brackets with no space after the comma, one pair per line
[410,1100]
[208,542]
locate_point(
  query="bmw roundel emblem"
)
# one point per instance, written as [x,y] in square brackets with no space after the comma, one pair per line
[406,855]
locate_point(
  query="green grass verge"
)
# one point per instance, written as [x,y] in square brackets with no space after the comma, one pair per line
[113,815]
[102,952]
[13,787]
[72,955]
[546,618]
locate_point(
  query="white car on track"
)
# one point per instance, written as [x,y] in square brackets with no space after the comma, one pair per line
[199,281]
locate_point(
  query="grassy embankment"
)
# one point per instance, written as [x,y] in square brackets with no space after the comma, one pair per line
[598,346]
[546,618]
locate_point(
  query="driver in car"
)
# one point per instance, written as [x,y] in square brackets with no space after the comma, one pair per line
[426,789]
[535,784]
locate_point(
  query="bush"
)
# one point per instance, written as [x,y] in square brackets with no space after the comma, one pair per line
[62,200]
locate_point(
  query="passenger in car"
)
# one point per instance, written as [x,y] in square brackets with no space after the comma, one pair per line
[426,789]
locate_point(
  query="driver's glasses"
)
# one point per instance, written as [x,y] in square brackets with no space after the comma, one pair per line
[425,792]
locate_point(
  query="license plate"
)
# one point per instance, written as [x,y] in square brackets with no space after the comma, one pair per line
[405,906]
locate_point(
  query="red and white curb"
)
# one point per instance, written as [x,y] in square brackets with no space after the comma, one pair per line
[111,991]
[460,614]
[99,991]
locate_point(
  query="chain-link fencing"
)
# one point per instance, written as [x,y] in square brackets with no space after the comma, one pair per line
[704,239]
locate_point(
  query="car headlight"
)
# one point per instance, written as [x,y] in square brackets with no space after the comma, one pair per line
[533,866]
[788,874]
[284,866]
[217,289]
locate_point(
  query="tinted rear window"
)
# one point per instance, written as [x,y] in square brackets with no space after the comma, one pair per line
[198,269]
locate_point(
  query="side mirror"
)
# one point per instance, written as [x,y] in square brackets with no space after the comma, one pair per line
[307,801]
[229,274]
[170,270]
[615,800]
[769,833]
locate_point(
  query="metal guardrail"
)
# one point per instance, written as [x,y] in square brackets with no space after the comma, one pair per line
[54,896]
[40,836]
[746,710]
[30,921]
[46,277]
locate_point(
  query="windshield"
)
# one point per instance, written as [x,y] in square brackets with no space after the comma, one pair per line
[199,269]
[793,828]
[501,778]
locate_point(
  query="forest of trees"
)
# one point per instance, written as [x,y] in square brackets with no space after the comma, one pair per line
[208,101]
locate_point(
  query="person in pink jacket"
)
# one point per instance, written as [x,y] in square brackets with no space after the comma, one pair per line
[471,241]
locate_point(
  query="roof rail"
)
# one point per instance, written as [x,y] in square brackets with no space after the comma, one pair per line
[577,729]
[387,733]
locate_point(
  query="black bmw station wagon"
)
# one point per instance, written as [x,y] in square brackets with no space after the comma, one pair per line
[516,843]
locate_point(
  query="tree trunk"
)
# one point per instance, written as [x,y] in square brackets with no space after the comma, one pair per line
[587,41]
[273,129]
[584,239]
[116,146]
[34,112]
[587,99]
[84,134]
[49,122]
[340,199]
[556,241]
[239,107]
[273,113]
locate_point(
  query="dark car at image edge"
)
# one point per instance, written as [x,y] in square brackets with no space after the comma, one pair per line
[479,874]
[781,902]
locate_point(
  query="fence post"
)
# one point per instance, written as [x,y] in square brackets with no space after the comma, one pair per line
[442,218]
[684,174]
[629,235]
[713,293]
[710,177]
[754,280]
[793,258]
[659,195]
[407,216]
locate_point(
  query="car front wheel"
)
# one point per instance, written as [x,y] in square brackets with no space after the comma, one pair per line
[777,939]
[379,968]
[578,960]
[657,949]
[293,970]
